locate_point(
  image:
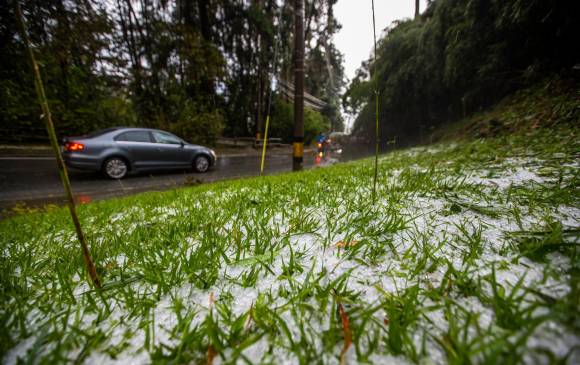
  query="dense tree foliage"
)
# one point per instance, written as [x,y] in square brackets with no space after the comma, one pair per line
[200,68]
[282,123]
[458,57]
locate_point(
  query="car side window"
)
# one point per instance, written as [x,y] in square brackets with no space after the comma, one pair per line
[134,136]
[161,137]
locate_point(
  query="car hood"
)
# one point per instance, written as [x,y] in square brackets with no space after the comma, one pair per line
[195,146]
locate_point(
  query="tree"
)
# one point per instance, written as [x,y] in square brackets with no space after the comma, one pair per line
[195,67]
[458,58]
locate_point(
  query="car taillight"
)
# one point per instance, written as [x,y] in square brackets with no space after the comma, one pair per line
[74,146]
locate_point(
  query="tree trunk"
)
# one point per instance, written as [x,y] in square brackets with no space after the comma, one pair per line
[416,9]
[309,15]
[260,85]
[129,38]
[205,28]
[327,50]
[204,20]
[64,50]
[259,107]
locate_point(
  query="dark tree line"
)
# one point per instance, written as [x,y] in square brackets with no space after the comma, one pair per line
[459,57]
[200,68]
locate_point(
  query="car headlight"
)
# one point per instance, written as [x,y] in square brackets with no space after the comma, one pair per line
[212,152]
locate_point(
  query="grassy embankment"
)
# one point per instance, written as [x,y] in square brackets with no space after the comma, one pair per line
[470,255]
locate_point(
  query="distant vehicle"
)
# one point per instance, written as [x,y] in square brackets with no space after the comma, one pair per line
[117,151]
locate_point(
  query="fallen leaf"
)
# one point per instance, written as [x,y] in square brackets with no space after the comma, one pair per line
[345,243]
[210,355]
[345,331]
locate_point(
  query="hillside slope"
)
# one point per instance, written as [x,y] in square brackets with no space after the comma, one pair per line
[551,103]
[458,58]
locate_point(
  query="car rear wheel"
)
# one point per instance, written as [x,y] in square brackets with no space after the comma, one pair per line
[115,168]
[201,163]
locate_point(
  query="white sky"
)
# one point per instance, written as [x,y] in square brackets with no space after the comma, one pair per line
[355,39]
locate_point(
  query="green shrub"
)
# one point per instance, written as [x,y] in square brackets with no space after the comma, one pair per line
[282,122]
[198,126]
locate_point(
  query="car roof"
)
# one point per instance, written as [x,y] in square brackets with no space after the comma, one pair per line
[116,131]
[126,129]
[129,129]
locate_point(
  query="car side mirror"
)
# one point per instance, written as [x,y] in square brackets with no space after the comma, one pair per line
[181,144]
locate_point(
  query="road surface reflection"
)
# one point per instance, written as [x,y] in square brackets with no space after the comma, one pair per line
[34,181]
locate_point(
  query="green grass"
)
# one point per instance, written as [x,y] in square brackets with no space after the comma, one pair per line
[469,256]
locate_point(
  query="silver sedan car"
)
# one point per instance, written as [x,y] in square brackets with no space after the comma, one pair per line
[117,151]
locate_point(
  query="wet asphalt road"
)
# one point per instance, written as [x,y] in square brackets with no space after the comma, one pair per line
[34,181]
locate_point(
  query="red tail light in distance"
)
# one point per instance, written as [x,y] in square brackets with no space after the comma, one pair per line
[74,146]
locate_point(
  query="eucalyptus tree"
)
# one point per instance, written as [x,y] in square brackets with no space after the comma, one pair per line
[458,58]
[70,41]
[196,67]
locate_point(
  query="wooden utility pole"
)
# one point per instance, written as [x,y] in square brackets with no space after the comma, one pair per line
[416,9]
[298,141]
[54,142]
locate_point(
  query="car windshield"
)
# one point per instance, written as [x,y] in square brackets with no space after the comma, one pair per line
[168,138]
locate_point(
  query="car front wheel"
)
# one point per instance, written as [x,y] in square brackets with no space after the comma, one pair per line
[201,163]
[115,168]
